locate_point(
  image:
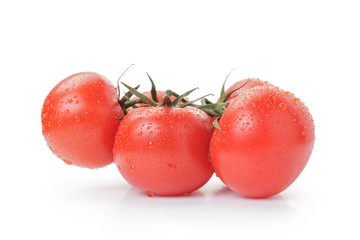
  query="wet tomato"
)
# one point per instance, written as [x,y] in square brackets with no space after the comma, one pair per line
[78,120]
[244,85]
[164,150]
[266,138]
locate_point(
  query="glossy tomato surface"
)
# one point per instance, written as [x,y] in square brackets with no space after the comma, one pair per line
[265,141]
[78,120]
[164,150]
[250,83]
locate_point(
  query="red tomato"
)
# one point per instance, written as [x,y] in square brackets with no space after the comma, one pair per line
[164,150]
[251,82]
[265,141]
[78,120]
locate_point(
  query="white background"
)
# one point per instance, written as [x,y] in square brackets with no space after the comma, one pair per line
[310,48]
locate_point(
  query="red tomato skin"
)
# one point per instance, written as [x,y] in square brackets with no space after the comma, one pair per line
[78,120]
[266,139]
[251,82]
[164,150]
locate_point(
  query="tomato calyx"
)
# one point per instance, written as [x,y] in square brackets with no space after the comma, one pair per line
[180,101]
[223,99]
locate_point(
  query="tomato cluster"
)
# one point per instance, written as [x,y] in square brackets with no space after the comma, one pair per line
[257,137]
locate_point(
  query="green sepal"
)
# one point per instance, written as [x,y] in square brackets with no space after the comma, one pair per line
[141,96]
[216,123]
[178,98]
[153,90]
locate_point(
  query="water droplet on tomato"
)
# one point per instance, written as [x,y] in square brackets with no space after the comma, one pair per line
[149,193]
[150,143]
[119,168]
[127,160]
[172,166]
[70,100]
[303,133]
[67,111]
[283,106]
[297,100]
[77,118]
[67,162]
[133,168]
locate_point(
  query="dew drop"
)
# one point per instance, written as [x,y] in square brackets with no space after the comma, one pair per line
[133,168]
[297,100]
[67,162]
[127,160]
[67,111]
[283,106]
[149,193]
[172,166]
[150,143]
[70,100]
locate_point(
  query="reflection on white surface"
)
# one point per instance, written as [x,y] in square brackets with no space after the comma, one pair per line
[203,208]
